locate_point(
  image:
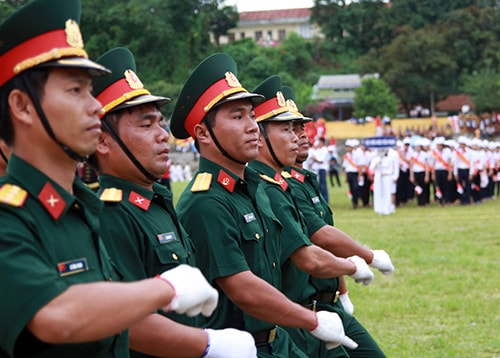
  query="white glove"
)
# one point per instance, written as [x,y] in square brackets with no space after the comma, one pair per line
[346,303]
[331,330]
[193,294]
[363,273]
[230,343]
[382,262]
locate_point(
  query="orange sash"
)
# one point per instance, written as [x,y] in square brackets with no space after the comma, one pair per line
[418,162]
[464,160]
[349,159]
[440,159]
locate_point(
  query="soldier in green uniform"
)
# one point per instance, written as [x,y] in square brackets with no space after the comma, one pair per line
[318,219]
[228,216]
[56,298]
[140,227]
[308,277]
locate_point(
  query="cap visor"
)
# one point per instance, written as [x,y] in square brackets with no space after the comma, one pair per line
[283,117]
[147,98]
[254,97]
[94,69]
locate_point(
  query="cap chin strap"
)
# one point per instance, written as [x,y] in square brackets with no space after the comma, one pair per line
[4,157]
[222,150]
[70,152]
[127,151]
[269,146]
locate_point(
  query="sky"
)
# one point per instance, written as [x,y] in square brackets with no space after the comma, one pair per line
[254,5]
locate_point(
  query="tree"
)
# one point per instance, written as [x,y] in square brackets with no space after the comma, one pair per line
[483,86]
[374,98]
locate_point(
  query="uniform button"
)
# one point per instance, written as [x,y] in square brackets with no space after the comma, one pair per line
[175,257]
[321,213]
[274,264]
[267,231]
[76,206]
[110,278]
[257,236]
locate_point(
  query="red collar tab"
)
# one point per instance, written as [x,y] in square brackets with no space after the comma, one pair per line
[296,175]
[214,94]
[139,201]
[281,180]
[226,181]
[52,201]
[270,108]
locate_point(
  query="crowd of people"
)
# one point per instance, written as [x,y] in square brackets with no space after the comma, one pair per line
[442,171]
[248,264]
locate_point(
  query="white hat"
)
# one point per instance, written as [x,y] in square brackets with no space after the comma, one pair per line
[462,140]
[355,142]
[348,143]
[439,141]
[406,140]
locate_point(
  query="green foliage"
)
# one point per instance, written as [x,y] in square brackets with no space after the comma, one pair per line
[374,98]
[484,89]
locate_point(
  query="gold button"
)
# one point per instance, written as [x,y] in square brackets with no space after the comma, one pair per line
[77,207]
[267,231]
[274,264]
[175,257]
[321,213]
[257,236]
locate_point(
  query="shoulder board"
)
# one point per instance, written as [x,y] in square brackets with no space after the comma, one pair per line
[269,179]
[286,174]
[112,195]
[202,182]
[13,195]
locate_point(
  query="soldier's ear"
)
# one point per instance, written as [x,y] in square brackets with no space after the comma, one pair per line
[201,133]
[21,106]
[103,144]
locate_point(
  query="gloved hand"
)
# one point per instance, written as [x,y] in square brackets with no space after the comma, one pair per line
[331,330]
[230,343]
[346,303]
[363,273]
[193,294]
[382,262]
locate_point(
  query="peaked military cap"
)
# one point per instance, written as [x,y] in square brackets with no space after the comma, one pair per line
[274,108]
[123,88]
[212,83]
[44,33]
[289,95]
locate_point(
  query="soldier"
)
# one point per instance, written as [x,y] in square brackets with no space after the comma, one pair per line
[140,227]
[229,218]
[57,299]
[319,223]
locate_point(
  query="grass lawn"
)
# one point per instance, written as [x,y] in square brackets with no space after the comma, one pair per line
[444,298]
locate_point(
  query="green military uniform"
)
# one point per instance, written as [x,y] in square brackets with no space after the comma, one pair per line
[234,230]
[229,218]
[49,240]
[142,233]
[140,227]
[298,285]
[316,214]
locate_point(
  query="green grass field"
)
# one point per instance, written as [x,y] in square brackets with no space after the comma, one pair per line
[443,300]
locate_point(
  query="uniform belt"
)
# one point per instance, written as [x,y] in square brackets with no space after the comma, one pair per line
[266,336]
[323,297]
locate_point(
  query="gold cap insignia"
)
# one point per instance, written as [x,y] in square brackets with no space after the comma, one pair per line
[231,80]
[73,34]
[291,105]
[133,80]
[281,99]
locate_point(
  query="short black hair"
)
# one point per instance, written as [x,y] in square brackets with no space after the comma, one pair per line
[37,77]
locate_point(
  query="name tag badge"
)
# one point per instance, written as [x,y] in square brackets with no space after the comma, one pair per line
[249,217]
[71,267]
[166,238]
[315,200]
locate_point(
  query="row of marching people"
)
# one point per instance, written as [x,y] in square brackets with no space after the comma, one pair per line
[462,171]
